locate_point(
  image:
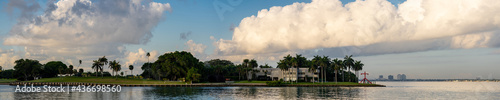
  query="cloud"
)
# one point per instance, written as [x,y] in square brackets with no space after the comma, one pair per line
[366,27]
[184,35]
[139,57]
[84,27]
[195,49]
[7,58]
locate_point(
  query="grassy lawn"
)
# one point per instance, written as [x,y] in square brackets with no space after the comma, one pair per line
[109,80]
[7,80]
[250,81]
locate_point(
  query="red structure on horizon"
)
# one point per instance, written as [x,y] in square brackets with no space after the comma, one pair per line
[364,80]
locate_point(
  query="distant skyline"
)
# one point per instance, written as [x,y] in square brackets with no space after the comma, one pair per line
[424,39]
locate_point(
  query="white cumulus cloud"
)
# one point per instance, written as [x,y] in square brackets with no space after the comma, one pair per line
[138,58]
[364,26]
[84,27]
[194,48]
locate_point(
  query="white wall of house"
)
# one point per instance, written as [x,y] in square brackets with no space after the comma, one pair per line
[290,75]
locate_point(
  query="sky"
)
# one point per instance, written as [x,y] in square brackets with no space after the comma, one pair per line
[424,39]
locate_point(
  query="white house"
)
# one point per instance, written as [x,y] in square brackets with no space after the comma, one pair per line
[290,75]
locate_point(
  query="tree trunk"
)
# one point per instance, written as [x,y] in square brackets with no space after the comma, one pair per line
[356,75]
[321,74]
[336,79]
[343,76]
[324,74]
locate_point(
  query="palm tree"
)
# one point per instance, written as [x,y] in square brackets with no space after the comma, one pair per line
[348,62]
[252,64]
[240,70]
[131,67]
[96,65]
[111,65]
[296,63]
[79,64]
[245,67]
[147,54]
[103,61]
[117,68]
[314,65]
[325,61]
[357,67]
[337,65]
[282,65]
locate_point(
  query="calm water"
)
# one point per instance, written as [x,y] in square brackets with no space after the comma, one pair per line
[394,90]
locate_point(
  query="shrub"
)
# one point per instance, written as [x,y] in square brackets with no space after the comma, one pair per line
[273,83]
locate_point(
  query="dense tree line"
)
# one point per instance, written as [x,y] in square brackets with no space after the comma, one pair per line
[182,65]
[327,67]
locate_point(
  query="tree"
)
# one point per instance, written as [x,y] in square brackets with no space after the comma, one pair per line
[27,68]
[314,66]
[298,61]
[80,63]
[175,65]
[131,67]
[115,66]
[265,66]
[0,68]
[337,65]
[147,54]
[70,69]
[80,70]
[96,65]
[240,69]
[218,62]
[348,62]
[324,63]
[251,65]
[9,73]
[357,67]
[285,64]
[193,75]
[146,68]
[51,69]
[245,67]
[102,61]
[61,71]
[121,73]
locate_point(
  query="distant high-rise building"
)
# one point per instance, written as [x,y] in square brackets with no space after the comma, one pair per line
[401,77]
[390,77]
[381,77]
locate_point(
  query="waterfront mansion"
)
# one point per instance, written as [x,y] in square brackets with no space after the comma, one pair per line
[303,74]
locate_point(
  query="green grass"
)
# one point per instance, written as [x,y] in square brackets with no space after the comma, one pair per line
[250,81]
[107,80]
[7,80]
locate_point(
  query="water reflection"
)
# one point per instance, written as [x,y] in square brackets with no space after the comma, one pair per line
[253,92]
[394,90]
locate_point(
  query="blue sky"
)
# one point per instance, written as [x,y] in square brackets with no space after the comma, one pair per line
[390,37]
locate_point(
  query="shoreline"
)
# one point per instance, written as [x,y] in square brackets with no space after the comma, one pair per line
[190,85]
